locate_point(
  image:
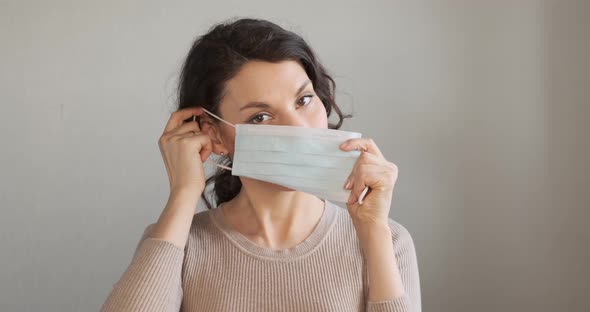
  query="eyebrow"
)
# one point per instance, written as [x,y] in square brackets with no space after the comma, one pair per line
[257,104]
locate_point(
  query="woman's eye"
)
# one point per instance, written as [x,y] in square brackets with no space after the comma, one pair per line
[306,99]
[259,118]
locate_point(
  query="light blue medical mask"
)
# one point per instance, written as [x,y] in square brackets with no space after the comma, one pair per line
[303,159]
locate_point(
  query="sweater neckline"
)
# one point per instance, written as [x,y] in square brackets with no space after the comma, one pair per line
[308,245]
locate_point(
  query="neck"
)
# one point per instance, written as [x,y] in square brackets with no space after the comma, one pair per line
[273,216]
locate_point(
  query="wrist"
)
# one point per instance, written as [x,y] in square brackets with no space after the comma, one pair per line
[374,236]
[187,192]
[380,227]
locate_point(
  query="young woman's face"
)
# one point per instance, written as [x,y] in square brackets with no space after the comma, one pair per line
[270,94]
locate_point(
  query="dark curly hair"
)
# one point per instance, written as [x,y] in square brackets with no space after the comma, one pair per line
[217,56]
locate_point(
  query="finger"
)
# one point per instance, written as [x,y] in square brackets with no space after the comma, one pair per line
[206,148]
[365,158]
[359,183]
[187,135]
[367,177]
[177,118]
[365,144]
[202,140]
[368,158]
[358,188]
[187,127]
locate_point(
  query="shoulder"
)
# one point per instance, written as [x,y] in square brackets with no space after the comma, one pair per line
[201,221]
[399,233]
[203,225]
[201,228]
[403,244]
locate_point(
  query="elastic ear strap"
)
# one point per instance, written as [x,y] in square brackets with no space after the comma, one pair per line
[220,119]
[362,196]
[218,165]
[223,167]
[217,117]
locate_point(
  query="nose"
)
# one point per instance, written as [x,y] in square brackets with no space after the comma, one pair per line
[294,119]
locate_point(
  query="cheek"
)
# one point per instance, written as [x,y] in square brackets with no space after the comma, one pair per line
[229,140]
[320,118]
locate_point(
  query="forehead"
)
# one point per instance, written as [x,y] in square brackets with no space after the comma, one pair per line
[259,80]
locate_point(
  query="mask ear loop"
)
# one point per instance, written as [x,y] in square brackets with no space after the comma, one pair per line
[229,124]
[362,196]
[220,166]
[218,118]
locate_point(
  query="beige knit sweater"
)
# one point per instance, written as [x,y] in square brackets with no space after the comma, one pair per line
[221,270]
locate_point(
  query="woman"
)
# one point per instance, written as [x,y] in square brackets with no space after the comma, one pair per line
[266,247]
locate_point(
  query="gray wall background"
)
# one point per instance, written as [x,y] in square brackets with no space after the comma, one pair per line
[482,105]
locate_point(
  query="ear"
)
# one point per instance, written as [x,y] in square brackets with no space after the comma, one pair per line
[212,130]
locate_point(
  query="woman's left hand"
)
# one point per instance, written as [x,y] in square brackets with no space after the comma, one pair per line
[373,170]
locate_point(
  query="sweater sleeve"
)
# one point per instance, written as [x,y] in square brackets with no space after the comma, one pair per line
[405,254]
[152,281]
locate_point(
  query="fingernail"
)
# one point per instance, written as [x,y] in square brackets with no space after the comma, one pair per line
[343,145]
[347,185]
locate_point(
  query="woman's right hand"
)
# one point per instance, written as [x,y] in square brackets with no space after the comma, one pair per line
[184,149]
